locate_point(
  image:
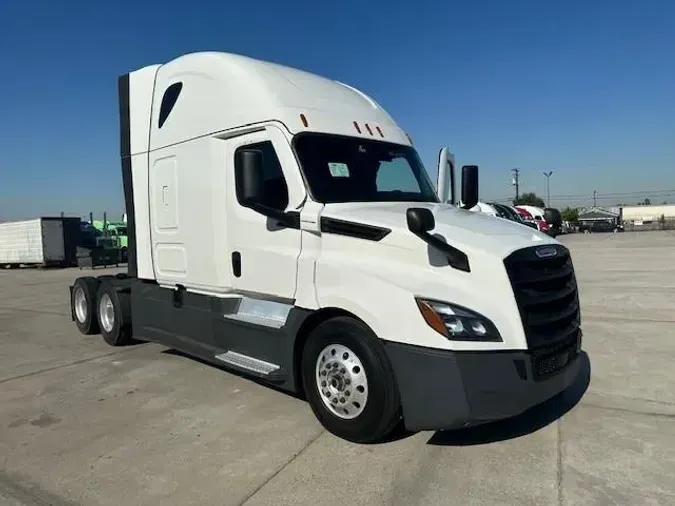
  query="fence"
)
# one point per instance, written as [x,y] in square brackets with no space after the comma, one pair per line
[646,226]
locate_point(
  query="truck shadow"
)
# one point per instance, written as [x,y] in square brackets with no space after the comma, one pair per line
[437,258]
[527,423]
[222,367]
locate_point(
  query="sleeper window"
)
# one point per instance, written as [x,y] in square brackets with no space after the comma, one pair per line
[168,101]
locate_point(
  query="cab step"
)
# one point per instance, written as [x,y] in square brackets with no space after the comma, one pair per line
[251,365]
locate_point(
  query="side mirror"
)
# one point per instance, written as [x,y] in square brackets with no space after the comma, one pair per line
[469,186]
[420,220]
[251,190]
[249,176]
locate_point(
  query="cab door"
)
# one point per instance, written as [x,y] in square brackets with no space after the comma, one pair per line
[263,253]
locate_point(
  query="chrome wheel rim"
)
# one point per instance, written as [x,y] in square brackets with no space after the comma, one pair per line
[341,381]
[106,312]
[80,305]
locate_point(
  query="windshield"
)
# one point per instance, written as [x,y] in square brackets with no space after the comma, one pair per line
[348,169]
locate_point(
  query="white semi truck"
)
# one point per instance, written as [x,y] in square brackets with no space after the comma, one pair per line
[282,225]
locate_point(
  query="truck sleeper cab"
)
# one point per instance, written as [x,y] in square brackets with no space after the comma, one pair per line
[282,225]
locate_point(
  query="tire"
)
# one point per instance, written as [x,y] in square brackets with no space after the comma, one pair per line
[113,314]
[124,256]
[84,305]
[367,415]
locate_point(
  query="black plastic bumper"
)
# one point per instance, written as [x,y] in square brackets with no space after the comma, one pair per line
[445,390]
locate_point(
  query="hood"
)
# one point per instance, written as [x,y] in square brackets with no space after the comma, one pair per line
[459,227]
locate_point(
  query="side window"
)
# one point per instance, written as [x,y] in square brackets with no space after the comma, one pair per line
[396,175]
[168,101]
[275,194]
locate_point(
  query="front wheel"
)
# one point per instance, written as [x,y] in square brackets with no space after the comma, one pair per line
[349,381]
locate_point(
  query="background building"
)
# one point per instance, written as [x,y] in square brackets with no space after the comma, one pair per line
[657,217]
[594,214]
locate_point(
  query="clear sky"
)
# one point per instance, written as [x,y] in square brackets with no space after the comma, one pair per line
[583,88]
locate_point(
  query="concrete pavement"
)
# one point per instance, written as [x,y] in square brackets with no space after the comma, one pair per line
[84,423]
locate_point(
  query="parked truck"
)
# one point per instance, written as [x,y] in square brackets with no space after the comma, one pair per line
[554,219]
[117,232]
[45,242]
[282,225]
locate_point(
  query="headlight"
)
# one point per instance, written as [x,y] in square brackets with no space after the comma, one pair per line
[457,323]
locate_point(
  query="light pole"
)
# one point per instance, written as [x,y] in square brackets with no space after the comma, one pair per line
[515,182]
[548,187]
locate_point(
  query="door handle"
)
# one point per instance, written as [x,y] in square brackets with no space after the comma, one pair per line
[236,264]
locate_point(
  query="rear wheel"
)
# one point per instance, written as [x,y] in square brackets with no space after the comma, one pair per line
[84,305]
[349,381]
[113,315]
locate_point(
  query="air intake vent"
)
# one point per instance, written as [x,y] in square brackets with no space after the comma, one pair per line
[351,229]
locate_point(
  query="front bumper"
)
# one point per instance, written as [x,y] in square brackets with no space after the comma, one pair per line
[442,389]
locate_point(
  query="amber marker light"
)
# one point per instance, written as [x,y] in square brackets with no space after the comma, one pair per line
[432,318]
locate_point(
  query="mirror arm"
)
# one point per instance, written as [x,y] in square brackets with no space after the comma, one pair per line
[290,219]
[456,258]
